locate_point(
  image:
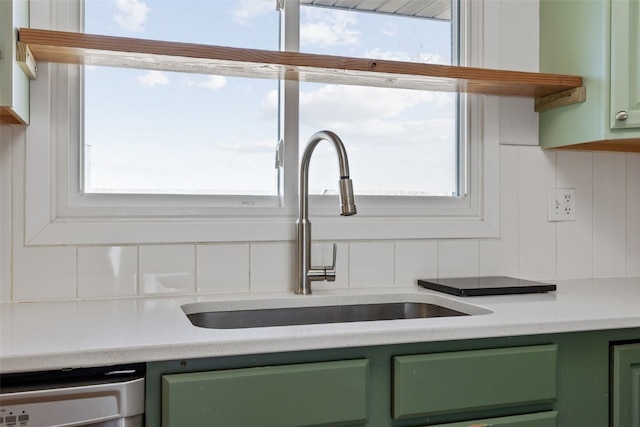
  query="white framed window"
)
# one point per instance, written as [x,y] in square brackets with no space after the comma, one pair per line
[60,211]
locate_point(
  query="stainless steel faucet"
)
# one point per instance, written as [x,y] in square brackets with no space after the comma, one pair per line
[305,273]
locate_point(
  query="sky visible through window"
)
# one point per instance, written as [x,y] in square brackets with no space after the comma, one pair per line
[160,132]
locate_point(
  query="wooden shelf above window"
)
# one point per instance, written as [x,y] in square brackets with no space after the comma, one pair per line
[79,48]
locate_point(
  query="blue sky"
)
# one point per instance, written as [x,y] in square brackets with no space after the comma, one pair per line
[169,132]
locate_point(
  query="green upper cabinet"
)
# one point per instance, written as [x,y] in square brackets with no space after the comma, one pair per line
[625,64]
[14,83]
[600,41]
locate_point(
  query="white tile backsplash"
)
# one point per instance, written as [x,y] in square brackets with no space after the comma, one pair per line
[574,238]
[458,258]
[167,269]
[222,268]
[415,260]
[46,273]
[609,214]
[272,267]
[110,271]
[536,236]
[371,264]
[499,257]
[633,215]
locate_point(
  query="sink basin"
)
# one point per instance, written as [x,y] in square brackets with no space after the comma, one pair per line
[313,315]
[267,313]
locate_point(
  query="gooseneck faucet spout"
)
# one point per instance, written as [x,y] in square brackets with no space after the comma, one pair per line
[305,273]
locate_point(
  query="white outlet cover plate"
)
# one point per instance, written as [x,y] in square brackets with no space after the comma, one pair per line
[562,204]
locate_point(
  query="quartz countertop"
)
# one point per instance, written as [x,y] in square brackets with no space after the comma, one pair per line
[61,334]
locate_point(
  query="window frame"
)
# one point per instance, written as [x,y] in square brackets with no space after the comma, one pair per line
[57,212]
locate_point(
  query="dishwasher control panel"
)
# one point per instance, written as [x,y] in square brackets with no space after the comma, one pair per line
[12,418]
[73,397]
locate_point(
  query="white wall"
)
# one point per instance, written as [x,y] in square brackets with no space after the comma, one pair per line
[604,240]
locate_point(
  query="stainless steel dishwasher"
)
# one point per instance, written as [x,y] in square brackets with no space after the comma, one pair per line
[99,397]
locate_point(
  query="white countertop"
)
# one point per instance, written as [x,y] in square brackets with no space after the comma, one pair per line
[53,335]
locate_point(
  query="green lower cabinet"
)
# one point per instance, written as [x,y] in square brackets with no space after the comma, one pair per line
[566,380]
[430,384]
[311,394]
[625,391]
[545,419]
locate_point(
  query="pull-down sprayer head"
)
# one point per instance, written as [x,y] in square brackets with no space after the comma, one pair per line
[347,201]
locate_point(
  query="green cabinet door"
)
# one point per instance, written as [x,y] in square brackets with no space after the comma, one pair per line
[543,419]
[311,394]
[626,386]
[441,383]
[598,40]
[625,64]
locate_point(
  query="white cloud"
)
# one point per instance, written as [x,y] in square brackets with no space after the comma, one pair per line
[380,115]
[248,10]
[334,28]
[423,58]
[389,30]
[244,146]
[362,102]
[131,14]
[270,105]
[213,82]
[153,78]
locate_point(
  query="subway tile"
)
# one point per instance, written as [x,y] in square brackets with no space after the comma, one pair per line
[371,264]
[415,260]
[272,267]
[44,273]
[609,214]
[222,268]
[107,271]
[167,269]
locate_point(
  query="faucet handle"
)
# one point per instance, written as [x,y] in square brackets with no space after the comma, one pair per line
[330,271]
[326,273]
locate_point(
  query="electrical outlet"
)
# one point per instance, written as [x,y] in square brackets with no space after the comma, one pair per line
[562,204]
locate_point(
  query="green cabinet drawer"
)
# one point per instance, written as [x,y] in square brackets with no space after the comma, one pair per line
[443,383]
[542,419]
[327,393]
[626,386]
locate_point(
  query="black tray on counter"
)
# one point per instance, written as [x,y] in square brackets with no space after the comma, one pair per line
[493,285]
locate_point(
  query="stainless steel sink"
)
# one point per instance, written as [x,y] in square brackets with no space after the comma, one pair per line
[288,316]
